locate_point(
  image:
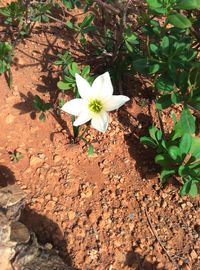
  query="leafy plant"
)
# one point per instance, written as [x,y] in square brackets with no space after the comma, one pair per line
[41,106]
[15,156]
[179,154]
[39,12]
[13,12]
[84,27]
[6,53]
[69,82]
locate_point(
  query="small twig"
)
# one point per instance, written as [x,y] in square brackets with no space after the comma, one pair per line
[161,123]
[55,19]
[159,241]
[108,7]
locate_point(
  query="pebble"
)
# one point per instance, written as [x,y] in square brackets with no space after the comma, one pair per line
[35,161]
[57,158]
[10,119]
[50,205]
[193,255]
[71,215]
[93,217]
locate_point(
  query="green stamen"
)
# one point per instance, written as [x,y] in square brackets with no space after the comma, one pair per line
[95,105]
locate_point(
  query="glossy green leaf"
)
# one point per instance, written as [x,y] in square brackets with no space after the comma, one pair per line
[163,83]
[148,141]
[90,150]
[188,4]
[162,159]
[185,144]
[87,20]
[154,3]
[174,152]
[195,147]
[166,173]
[163,102]
[179,20]
[187,121]
[64,85]
[42,117]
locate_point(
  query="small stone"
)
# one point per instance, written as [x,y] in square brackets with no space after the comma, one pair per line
[86,194]
[180,262]
[48,197]
[193,255]
[48,246]
[35,161]
[106,171]
[71,215]
[93,217]
[10,119]
[183,205]
[57,158]
[160,266]
[50,205]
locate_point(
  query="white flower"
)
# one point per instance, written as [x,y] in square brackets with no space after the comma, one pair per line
[95,102]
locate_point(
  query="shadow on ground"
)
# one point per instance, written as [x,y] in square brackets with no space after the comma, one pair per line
[7,177]
[45,229]
[138,125]
[137,262]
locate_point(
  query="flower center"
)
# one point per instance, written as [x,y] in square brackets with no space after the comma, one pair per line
[95,105]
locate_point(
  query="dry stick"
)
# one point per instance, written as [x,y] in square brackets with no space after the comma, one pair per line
[159,241]
[107,6]
[161,123]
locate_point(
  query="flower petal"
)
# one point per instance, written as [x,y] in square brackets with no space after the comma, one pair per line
[74,106]
[83,117]
[84,87]
[102,86]
[115,102]
[100,121]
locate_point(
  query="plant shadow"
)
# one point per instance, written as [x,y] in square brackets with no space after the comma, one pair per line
[138,125]
[137,262]
[7,177]
[46,230]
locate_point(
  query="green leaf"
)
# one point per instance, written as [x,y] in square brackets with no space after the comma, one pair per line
[185,188]
[87,20]
[165,44]
[166,173]
[163,102]
[189,187]
[195,147]
[162,159]
[85,71]
[141,64]
[179,20]
[148,141]
[3,66]
[73,69]
[152,131]
[154,3]
[64,85]
[193,189]
[154,68]
[187,121]
[165,84]
[90,150]
[188,4]
[42,117]
[185,144]
[174,152]
[70,25]
[153,48]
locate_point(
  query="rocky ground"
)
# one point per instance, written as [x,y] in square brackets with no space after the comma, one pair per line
[105,212]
